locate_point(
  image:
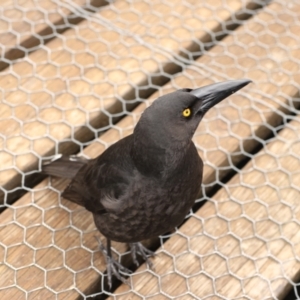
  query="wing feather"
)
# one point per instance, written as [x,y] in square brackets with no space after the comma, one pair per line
[99,185]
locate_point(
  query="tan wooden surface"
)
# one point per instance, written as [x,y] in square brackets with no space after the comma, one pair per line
[26,23]
[49,109]
[53,225]
[246,237]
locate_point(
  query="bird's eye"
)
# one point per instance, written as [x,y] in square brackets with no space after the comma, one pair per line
[186,113]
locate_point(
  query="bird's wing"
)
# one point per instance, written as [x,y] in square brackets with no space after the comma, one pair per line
[99,185]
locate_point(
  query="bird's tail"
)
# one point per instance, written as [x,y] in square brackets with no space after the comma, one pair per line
[63,166]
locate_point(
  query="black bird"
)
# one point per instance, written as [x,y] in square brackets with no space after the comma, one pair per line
[145,184]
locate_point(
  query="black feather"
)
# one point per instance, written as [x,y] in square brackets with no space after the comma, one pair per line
[64,166]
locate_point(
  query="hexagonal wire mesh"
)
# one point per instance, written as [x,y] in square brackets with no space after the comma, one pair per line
[70,70]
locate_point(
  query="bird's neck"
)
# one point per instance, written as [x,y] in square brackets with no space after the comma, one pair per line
[153,154]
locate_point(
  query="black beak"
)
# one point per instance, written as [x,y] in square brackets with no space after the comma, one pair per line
[214,93]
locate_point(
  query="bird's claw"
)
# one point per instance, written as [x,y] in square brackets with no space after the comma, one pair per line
[113,267]
[143,251]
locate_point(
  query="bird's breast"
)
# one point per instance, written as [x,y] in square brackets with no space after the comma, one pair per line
[153,206]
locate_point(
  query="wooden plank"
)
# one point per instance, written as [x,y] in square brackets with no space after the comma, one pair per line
[66,220]
[61,94]
[176,26]
[244,241]
[26,25]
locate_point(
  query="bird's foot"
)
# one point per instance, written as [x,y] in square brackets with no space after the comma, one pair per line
[138,248]
[113,267]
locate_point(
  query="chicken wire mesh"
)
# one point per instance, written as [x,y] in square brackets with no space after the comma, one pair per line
[70,71]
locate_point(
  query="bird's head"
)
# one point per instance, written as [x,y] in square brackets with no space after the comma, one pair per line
[176,116]
[165,130]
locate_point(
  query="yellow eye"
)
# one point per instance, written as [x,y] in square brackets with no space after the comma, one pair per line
[186,113]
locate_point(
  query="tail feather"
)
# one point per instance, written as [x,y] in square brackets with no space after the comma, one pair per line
[63,166]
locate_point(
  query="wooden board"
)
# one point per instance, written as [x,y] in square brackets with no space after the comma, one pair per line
[61,94]
[244,242]
[27,25]
[62,221]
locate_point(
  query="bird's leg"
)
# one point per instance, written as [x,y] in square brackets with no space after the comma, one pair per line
[138,248]
[113,266]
